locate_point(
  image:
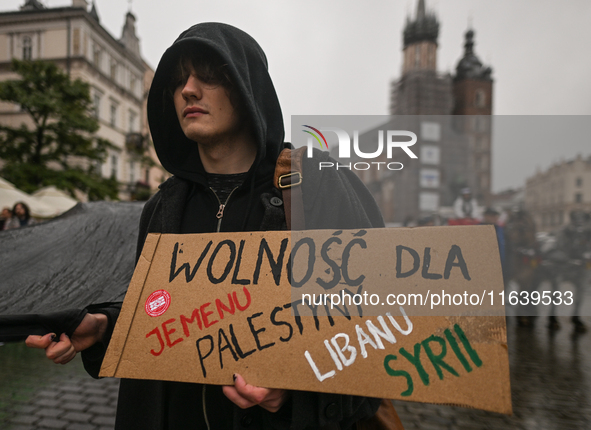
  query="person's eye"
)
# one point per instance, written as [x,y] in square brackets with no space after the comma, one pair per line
[179,82]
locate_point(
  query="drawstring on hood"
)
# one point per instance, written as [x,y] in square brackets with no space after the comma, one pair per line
[247,67]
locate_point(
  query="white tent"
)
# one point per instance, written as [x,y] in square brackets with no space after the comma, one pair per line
[9,195]
[55,198]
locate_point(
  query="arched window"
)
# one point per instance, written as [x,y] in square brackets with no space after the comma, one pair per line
[431,56]
[27,48]
[480,98]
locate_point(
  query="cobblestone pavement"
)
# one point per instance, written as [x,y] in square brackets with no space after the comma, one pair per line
[550,386]
[550,382]
[36,394]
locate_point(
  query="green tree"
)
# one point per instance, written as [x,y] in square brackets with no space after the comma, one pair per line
[60,147]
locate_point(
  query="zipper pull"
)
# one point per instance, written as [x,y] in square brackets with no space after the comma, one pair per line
[220,213]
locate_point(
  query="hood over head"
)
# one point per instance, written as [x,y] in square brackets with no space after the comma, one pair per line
[247,66]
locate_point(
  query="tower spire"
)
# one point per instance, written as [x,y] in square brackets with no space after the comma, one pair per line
[421,10]
[424,27]
[469,43]
[470,66]
[129,37]
[94,12]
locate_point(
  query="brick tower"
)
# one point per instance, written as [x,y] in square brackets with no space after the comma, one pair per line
[472,89]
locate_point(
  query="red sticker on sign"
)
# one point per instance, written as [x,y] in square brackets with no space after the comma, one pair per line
[157,303]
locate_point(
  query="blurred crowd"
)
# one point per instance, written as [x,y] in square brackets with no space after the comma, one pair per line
[532,260]
[18,216]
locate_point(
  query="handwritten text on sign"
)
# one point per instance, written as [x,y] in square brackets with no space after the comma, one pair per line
[238,303]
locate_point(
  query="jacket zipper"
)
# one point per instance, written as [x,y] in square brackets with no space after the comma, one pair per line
[219,216]
[222,206]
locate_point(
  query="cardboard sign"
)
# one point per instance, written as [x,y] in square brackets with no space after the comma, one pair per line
[203,307]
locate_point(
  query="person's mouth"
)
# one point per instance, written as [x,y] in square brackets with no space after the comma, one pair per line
[194,111]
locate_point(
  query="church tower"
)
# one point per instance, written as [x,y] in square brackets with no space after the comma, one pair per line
[473,83]
[473,87]
[421,90]
[420,41]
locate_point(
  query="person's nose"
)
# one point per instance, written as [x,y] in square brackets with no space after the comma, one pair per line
[193,88]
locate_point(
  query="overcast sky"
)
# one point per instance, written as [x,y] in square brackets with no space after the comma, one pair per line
[338,57]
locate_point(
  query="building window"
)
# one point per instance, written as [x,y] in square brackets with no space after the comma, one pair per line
[131,171]
[113,70]
[430,154]
[429,178]
[76,41]
[428,201]
[27,48]
[417,56]
[579,182]
[96,104]
[480,98]
[114,168]
[98,168]
[579,198]
[132,83]
[113,116]
[132,122]
[431,131]
[97,56]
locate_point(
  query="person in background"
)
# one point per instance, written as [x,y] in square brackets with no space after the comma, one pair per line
[21,217]
[5,217]
[427,221]
[491,217]
[466,206]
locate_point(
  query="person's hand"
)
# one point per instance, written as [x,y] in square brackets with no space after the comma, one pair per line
[90,331]
[246,396]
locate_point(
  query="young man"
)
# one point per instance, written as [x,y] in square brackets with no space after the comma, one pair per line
[217,127]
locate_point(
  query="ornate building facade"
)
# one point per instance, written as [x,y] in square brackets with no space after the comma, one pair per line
[73,38]
[552,195]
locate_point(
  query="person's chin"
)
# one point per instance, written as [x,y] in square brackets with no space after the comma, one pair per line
[201,138]
[196,133]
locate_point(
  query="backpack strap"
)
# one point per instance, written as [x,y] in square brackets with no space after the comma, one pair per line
[288,179]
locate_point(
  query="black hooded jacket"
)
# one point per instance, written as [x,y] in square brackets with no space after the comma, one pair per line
[185,204]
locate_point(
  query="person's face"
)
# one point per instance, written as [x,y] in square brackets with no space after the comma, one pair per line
[19,211]
[6,213]
[205,111]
